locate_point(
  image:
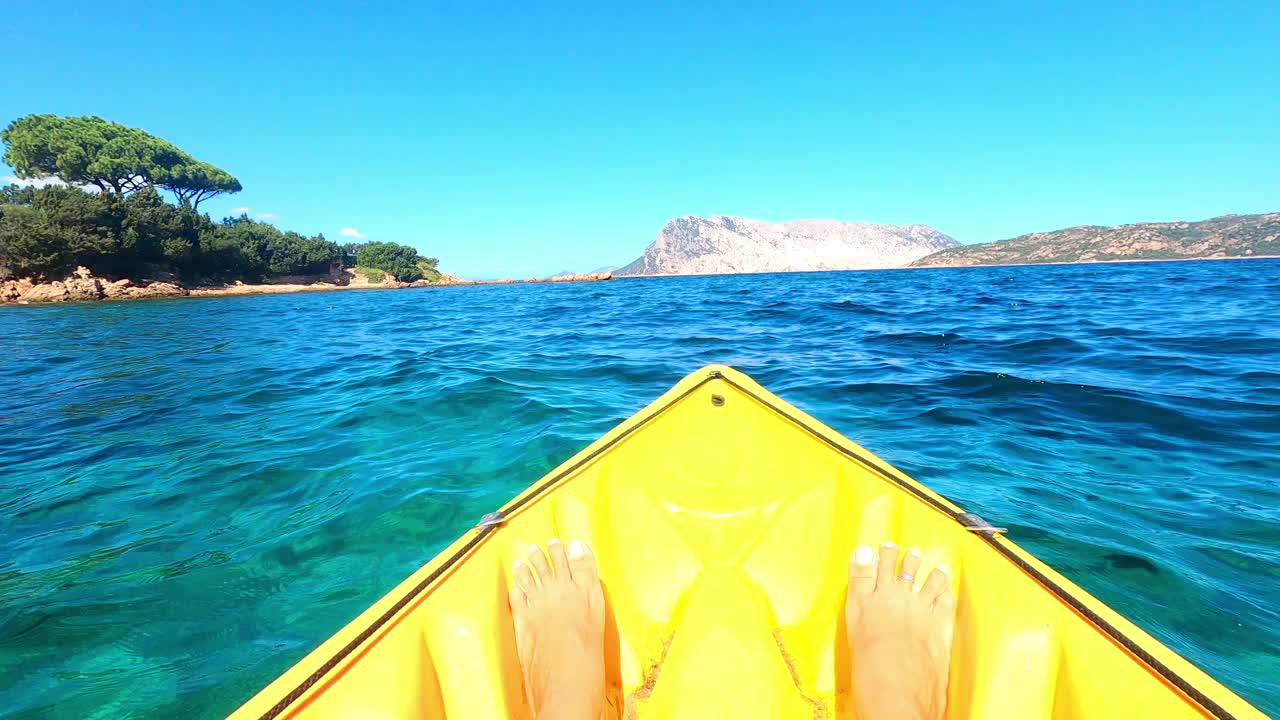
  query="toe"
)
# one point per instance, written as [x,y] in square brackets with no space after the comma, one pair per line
[515,596]
[538,562]
[910,566]
[522,584]
[945,604]
[938,582]
[862,572]
[559,563]
[582,565]
[888,565]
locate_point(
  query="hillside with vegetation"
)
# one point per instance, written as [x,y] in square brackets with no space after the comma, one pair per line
[100,205]
[1229,236]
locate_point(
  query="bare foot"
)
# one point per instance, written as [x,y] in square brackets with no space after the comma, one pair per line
[558,609]
[899,639]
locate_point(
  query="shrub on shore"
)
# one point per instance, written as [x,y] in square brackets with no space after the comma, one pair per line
[400,261]
[374,275]
[47,232]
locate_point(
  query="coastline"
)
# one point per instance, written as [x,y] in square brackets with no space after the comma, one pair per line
[82,286]
[1117,261]
[324,286]
[956,267]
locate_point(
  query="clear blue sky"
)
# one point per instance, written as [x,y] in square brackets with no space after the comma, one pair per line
[523,140]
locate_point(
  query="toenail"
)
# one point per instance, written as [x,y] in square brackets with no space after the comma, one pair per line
[553,541]
[534,548]
[577,549]
[913,552]
[517,565]
[863,556]
[944,570]
[889,545]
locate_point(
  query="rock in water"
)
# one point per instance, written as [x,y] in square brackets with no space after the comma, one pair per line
[47,292]
[83,288]
[158,289]
[116,290]
[723,244]
[12,290]
[580,277]
[80,286]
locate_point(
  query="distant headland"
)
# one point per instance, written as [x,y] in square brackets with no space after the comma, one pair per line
[1229,236]
[725,245]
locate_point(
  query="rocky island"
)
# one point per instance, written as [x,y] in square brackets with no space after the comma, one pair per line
[1229,236]
[726,244]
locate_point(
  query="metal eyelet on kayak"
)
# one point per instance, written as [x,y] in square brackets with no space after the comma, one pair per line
[717,400]
[493,519]
[973,522]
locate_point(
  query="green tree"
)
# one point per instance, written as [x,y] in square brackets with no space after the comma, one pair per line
[293,254]
[350,254]
[47,232]
[87,225]
[16,195]
[245,247]
[195,182]
[285,254]
[399,260]
[156,232]
[28,245]
[112,157]
[321,255]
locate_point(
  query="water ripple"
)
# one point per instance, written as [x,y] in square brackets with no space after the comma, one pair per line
[195,493]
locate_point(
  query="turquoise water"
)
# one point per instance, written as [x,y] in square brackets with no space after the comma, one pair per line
[196,492]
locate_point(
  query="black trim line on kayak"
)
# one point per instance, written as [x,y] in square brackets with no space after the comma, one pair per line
[488,524]
[521,502]
[368,632]
[970,521]
[991,536]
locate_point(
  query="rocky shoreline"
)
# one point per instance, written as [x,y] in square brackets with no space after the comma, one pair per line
[83,286]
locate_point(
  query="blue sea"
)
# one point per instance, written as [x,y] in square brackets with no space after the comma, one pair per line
[194,493]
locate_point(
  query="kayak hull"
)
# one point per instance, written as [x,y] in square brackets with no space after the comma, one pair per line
[722,519]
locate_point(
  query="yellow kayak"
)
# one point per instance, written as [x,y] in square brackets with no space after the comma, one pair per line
[722,520]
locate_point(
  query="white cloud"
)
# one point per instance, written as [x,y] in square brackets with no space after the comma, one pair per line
[240,211]
[43,182]
[31,182]
[266,216]
[351,233]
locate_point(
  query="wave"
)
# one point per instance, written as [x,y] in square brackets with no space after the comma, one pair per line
[310,451]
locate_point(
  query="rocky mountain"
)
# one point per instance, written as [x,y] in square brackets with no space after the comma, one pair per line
[723,244]
[1226,236]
